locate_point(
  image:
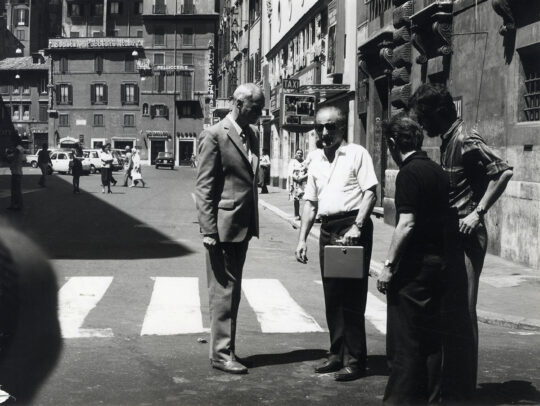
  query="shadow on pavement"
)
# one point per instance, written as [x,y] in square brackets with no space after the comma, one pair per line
[507,393]
[83,226]
[377,365]
[261,360]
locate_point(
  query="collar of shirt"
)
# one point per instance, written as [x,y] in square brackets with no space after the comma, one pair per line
[416,155]
[235,124]
[448,134]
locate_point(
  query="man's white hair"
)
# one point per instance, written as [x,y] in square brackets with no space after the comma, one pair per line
[247,91]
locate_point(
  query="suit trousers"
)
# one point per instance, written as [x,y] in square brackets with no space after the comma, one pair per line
[224,265]
[16,191]
[345,298]
[414,336]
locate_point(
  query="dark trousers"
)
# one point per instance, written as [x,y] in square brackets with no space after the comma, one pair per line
[224,265]
[345,299]
[414,336]
[106,177]
[16,191]
[460,341]
[43,168]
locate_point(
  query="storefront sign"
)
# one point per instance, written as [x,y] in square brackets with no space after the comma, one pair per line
[60,43]
[275,98]
[171,68]
[143,64]
[80,122]
[156,134]
[298,109]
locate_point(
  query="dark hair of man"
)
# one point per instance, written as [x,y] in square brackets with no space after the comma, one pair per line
[429,98]
[404,131]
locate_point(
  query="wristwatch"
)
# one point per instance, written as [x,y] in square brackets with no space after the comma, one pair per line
[388,264]
[480,210]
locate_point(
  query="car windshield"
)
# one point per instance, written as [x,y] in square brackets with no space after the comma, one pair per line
[165,155]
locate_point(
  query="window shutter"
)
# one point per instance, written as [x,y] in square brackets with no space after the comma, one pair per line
[26,18]
[152,111]
[92,94]
[58,94]
[136,94]
[105,97]
[123,93]
[70,94]
[166,111]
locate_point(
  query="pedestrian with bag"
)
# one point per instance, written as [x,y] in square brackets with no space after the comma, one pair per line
[43,161]
[106,167]
[136,172]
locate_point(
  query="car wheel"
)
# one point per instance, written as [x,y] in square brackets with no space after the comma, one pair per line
[92,169]
[34,164]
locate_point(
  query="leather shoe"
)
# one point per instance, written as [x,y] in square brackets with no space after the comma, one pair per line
[230,366]
[330,365]
[349,373]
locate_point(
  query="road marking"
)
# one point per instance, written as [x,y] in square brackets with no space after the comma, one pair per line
[376,312]
[194,198]
[276,310]
[175,307]
[77,298]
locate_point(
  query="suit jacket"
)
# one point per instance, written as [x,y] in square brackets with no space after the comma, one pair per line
[226,191]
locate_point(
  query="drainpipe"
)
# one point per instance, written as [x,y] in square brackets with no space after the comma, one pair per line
[105,7]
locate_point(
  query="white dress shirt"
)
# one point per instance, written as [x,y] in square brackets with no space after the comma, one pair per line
[242,135]
[339,186]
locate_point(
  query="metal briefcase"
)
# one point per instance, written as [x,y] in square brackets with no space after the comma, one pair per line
[344,262]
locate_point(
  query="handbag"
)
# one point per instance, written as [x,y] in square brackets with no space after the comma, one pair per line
[136,175]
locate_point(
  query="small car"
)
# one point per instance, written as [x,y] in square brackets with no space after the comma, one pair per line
[165,159]
[62,162]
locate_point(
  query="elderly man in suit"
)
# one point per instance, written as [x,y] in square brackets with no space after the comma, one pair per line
[227,204]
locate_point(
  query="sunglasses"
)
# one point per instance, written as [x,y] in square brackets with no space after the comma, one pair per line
[329,127]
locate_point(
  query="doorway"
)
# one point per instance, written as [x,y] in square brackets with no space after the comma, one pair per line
[185,150]
[156,146]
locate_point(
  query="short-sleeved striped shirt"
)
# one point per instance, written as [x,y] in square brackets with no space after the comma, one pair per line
[470,164]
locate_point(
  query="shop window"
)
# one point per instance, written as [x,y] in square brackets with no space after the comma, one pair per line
[129,120]
[98,93]
[145,111]
[98,120]
[187,36]
[129,93]
[63,120]
[530,104]
[159,37]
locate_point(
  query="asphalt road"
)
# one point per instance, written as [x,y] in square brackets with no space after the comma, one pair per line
[131,263]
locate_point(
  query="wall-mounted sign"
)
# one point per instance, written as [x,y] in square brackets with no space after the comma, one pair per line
[172,68]
[291,84]
[95,43]
[80,122]
[157,134]
[298,109]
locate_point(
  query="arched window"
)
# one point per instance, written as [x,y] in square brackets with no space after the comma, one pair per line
[145,109]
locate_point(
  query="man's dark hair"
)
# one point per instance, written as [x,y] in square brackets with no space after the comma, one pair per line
[406,133]
[429,98]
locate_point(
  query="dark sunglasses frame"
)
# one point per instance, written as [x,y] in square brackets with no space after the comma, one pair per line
[329,127]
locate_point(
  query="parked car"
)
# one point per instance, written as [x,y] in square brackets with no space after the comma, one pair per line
[165,159]
[118,161]
[93,158]
[32,159]
[62,162]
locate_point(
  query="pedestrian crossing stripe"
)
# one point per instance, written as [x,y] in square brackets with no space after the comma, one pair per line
[175,307]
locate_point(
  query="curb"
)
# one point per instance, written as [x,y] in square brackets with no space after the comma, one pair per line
[496,319]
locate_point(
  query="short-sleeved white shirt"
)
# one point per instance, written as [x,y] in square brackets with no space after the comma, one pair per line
[338,187]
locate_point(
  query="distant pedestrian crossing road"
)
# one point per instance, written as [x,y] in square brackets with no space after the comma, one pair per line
[174,308]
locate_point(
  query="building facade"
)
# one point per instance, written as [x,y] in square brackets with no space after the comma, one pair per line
[134,73]
[489,59]
[26,22]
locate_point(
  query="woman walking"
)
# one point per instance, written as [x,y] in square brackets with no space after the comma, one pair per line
[136,172]
[106,167]
[297,180]
[77,168]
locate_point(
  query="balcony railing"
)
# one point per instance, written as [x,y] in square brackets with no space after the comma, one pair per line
[159,9]
[377,7]
[188,9]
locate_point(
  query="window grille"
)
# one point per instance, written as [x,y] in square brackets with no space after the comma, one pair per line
[532,95]
[63,120]
[377,7]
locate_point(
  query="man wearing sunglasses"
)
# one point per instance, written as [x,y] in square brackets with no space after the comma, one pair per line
[341,188]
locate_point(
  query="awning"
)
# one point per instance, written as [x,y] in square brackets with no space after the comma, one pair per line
[186,134]
[158,135]
[68,140]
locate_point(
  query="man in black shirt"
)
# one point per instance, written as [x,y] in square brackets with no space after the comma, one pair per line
[412,275]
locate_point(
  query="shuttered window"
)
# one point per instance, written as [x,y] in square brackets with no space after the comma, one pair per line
[129,93]
[98,93]
[64,94]
[98,64]
[63,120]
[129,120]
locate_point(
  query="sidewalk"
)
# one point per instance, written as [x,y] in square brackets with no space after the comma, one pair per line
[508,294]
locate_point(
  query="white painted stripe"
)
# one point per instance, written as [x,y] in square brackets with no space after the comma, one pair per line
[276,310]
[77,298]
[175,307]
[194,198]
[376,312]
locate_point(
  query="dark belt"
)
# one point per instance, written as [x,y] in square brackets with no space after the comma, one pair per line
[339,216]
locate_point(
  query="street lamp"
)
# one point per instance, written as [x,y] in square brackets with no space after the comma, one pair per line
[18,51]
[134,53]
[17,76]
